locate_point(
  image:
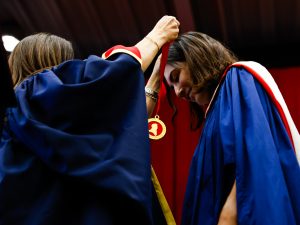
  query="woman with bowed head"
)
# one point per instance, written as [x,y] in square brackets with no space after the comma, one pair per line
[245,168]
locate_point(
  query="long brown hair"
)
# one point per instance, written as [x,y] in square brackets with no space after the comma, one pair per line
[207,60]
[37,52]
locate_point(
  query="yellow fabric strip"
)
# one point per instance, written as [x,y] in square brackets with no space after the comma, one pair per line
[162,199]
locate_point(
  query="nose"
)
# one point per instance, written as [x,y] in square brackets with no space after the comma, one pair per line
[178,91]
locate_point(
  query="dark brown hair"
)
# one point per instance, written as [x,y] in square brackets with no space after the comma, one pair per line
[207,60]
[37,52]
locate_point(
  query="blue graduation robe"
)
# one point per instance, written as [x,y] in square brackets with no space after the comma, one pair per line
[243,139]
[76,148]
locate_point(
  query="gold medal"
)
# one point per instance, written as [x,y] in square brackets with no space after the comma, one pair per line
[157,128]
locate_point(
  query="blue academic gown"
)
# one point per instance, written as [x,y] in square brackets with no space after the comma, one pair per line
[243,139]
[76,148]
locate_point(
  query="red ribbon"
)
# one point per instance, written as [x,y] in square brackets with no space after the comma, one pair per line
[163,62]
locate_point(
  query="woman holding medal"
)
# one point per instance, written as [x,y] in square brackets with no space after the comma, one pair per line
[76,150]
[245,168]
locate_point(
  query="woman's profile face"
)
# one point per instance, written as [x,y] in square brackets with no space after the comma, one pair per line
[179,78]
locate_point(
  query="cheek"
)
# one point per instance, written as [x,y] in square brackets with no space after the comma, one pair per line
[202,98]
[185,79]
[186,82]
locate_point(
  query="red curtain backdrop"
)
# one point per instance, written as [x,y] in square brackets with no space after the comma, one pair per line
[288,80]
[171,155]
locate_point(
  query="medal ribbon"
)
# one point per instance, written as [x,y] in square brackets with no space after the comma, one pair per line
[155,122]
[163,62]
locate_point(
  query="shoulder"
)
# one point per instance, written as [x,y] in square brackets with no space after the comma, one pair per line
[249,70]
[255,69]
[120,49]
[248,65]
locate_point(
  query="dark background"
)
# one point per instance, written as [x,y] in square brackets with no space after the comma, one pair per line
[266,31]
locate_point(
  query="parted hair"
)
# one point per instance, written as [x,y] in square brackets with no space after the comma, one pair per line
[207,60]
[37,52]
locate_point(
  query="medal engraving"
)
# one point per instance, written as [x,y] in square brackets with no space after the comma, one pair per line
[157,128]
